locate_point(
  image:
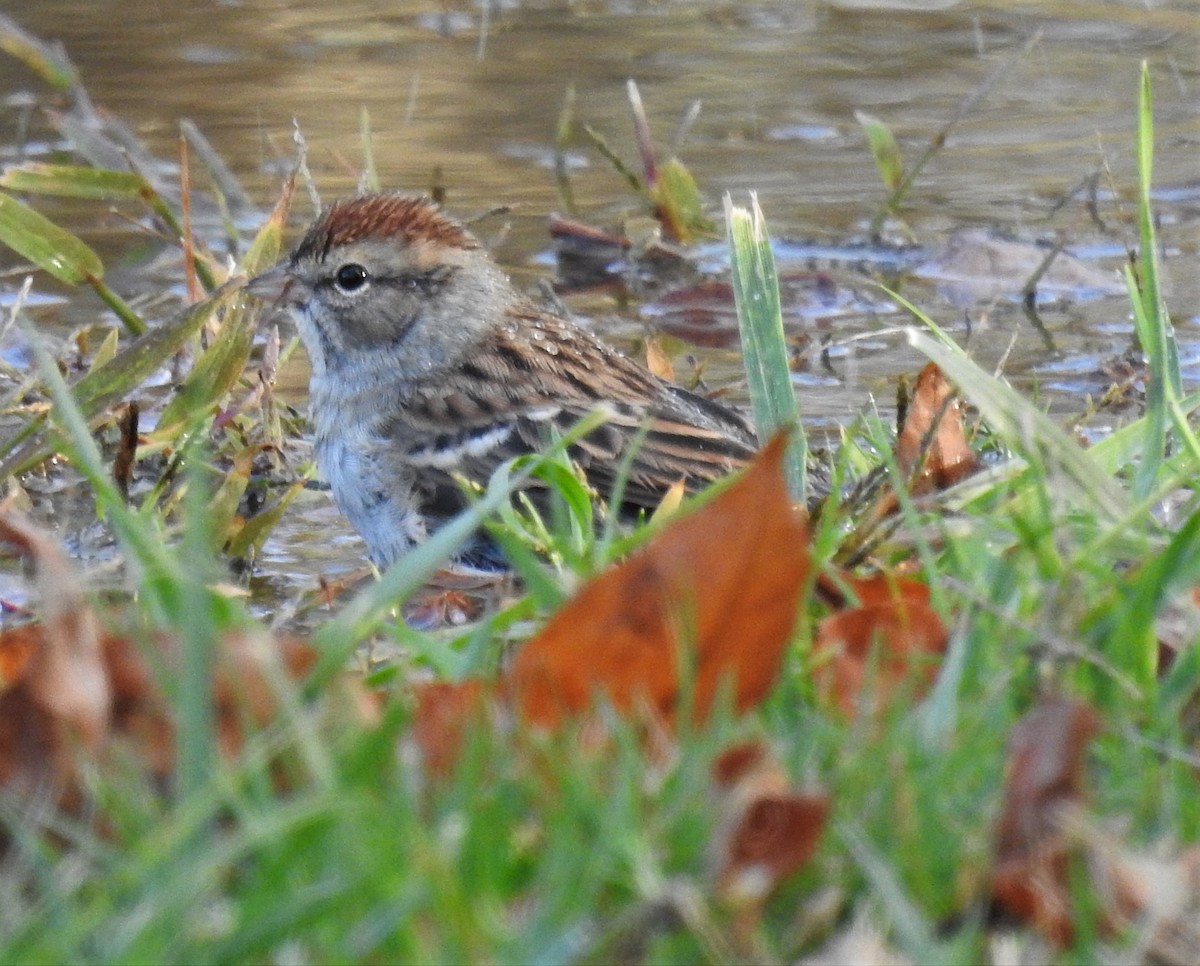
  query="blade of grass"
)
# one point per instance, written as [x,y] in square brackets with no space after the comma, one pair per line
[100,184]
[1133,643]
[224,178]
[195,729]
[223,363]
[760,322]
[641,130]
[1151,321]
[57,251]
[884,149]
[109,383]
[562,141]
[45,59]
[86,457]
[370,174]
[75,181]
[609,155]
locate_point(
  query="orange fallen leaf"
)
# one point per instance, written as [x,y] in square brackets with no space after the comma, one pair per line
[931,445]
[451,598]
[17,646]
[717,590]
[1043,784]
[865,653]
[720,586]
[70,689]
[443,711]
[932,449]
[58,695]
[767,830]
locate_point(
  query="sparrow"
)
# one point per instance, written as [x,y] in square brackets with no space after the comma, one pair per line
[427,364]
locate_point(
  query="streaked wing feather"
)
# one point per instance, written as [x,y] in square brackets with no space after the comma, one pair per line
[541,374]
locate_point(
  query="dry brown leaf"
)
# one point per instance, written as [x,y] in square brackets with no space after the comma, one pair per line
[767,829]
[892,639]
[17,646]
[1044,783]
[70,688]
[57,696]
[718,588]
[1159,897]
[578,238]
[1150,900]
[443,712]
[932,449]
[65,675]
[720,585]
[451,598]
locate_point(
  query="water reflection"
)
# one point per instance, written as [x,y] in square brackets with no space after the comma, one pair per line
[475,95]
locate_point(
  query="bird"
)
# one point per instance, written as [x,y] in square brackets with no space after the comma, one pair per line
[429,364]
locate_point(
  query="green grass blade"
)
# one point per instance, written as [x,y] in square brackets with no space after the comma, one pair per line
[75,181]
[370,175]
[52,249]
[760,321]
[196,619]
[222,364]
[1151,321]
[47,60]
[884,149]
[110,382]
[60,253]
[1133,644]
[89,183]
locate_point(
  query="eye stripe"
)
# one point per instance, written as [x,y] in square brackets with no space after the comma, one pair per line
[427,283]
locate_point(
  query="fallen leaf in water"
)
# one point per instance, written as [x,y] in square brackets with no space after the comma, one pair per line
[1043,785]
[704,312]
[866,652]
[586,255]
[572,237]
[712,599]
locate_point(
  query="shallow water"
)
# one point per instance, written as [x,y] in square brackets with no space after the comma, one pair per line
[477,96]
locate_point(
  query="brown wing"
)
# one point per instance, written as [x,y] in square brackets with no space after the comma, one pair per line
[538,372]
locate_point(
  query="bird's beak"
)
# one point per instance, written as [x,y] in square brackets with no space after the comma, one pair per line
[275,285]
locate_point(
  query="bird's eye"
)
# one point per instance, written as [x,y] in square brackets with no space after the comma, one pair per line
[351,278]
